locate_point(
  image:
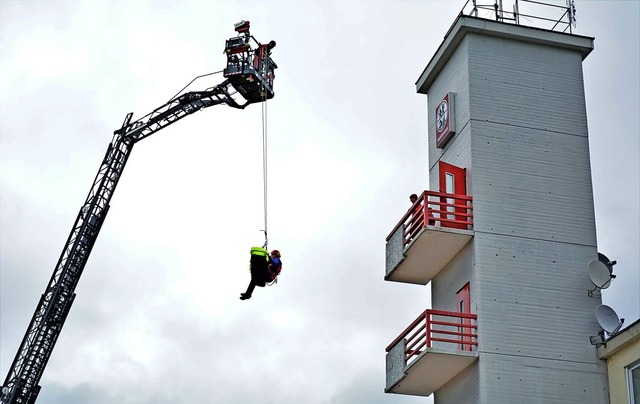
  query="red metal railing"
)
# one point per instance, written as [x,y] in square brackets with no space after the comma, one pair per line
[440,209]
[448,327]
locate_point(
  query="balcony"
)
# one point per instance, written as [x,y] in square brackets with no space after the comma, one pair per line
[417,249]
[431,351]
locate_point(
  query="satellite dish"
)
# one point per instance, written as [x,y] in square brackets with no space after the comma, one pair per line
[608,319]
[5,390]
[607,262]
[599,274]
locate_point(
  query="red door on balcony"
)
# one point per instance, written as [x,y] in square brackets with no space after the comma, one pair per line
[463,301]
[452,181]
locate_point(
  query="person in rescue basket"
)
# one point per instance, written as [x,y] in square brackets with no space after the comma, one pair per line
[260,267]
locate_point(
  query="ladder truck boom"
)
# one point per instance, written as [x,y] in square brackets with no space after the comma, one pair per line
[249,72]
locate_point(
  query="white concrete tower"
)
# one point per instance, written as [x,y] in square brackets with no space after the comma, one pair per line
[506,231]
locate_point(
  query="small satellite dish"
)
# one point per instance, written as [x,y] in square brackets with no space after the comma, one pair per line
[608,319]
[5,390]
[599,274]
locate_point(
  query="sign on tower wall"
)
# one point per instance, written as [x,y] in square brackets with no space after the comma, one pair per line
[445,120]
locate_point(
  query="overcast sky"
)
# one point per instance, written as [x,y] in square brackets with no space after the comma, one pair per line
[157,317]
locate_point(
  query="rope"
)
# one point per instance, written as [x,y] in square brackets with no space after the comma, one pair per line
[203,75]
[264,168]
[264,161]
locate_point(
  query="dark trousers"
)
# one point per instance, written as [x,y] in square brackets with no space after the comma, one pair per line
[259,273]
[252,285]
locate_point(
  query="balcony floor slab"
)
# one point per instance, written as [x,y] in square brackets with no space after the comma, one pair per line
[428,253]
[432,370]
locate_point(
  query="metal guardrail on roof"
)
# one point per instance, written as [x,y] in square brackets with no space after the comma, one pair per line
[540,14]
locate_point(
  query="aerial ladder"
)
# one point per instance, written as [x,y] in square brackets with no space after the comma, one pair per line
[250,73]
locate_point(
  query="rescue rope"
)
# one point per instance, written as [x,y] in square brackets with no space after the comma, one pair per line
[264,161]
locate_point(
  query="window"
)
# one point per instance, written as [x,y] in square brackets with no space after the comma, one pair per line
[450,189]
[633,382]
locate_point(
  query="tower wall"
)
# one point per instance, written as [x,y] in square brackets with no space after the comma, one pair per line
[452,278]
[522,137]
[530,146]
[464,388]
[454,77]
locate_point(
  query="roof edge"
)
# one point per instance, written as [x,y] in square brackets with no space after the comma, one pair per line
[624,338]
[466,24]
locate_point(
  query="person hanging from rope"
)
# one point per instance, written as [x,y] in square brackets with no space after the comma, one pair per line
[264,269]
[275,265]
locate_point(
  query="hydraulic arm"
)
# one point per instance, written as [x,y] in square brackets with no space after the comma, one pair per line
[249,72]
